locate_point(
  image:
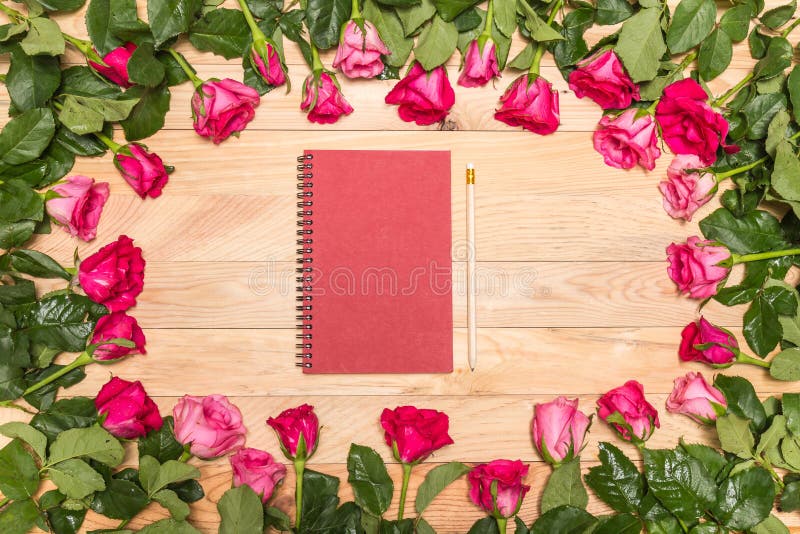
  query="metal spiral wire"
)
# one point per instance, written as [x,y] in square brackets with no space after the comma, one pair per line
[305,249]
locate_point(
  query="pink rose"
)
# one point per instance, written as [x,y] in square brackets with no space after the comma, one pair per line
[144,172]
[701,341]
[480,65]
[79,205]
[694,267]
[532,104]
[508,476]
[685,189]
[268,64]
[114,275]
[258,470]
[359,53]
[117,325]
[693,396]
[640,418]
[295,426]
[129,412]
[423,97]
[414,433]
[221,108]
[116,65]
[322,99]
[603,79]
[559,429]
[211,426]
[625,141]
[689,125]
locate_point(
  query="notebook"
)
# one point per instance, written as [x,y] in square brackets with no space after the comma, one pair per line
[374,263]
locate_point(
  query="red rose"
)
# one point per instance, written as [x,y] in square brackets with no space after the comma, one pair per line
[211,426]
[701,341]
[507,476]
[222,108]
[603,79]
[323,100]
[294,426]
[480,64]
[117,325]
[532,104]
[257,469]
[114,275]
[694,266]
[628,402]
[129,412]
[695,397]
[626,141]
[78,206]
[116,65]
[144,172]
[359,53]
[423,97]
[414,433]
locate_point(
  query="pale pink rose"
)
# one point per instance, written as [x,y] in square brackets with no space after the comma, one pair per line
[694,266]
[686,187]
[626,141]
[222,108]
[79,206]
[323,100]
[258,470]
[270,68]
[480,65]
[211,425]
[359,53]
[559,429]
[695,397]
[603,79]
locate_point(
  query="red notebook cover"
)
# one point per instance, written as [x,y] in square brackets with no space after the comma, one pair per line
[378,264]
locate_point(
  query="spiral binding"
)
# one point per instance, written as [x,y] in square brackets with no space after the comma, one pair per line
[304,251]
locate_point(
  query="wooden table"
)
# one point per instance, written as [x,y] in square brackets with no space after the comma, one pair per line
[574,297]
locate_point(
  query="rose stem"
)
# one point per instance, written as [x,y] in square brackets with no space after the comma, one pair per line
[718,102]
[186,68]
[80,361]
[404,490]
[744,258]
[537,57]
[299,468]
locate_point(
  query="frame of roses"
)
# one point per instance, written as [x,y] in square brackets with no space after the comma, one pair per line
[743,141]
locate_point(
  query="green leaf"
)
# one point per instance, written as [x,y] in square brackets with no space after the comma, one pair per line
[791,409]
[43,38]
[715,54]
[64,521]
[761,329]
[436,44]
[745,499]
[619,524]
[486,525]
[777,17]
[793,85]
[61,321]
[7,31]
[760,111]
[790,497]
[415,16]
[742,399]
[616,481]
[18,517]
[773,435]
[19,474]
[31,80]
[423,527]
[161,444]
[573,48]
[710,458]
[169,18]
[12,384]
[15,234]
[564,520]
[147,116]
[155,477]
[223,32]
[612,12]
[122,499]
[786,173]
[80,145]
[786,365]
[539,29]
[144,68]
[391,32]
[18,201]
[505,16]
[325,19]
[436,481]
[776,135]
[75,478]
[93,442]
[757,231]
[320,498]
[777,58]
[680,482]
[371,483]
[771,525]
[84,115]
[177,508]
[735,436]
[25,137]
[641,44]
[37,264]
[25,432]
[78,412]
[109,23]
[564,487]
[240,511]
[736,21]
[450,9]
[691,23]
[169,526]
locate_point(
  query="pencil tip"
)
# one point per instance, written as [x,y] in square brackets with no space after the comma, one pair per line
[472,369]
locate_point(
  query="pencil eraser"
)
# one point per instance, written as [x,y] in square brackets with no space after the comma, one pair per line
[470,166]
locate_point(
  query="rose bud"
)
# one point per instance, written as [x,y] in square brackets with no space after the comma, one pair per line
[297,430]
[413,433]
[114,275]
[628,412]
[129,412]
[221,108]
[701,341]
[480,64]
[116,65]
[211,426]
[626,141]
[117,325]
[144,172]
[423,97]
[686,187]
[532,104]
[323,100]
[267,63]
[360,51]
[602,78]
[689,125]
[695,266]
[79,206]
[559,429]
[507,476]
[257,469]
[693,396]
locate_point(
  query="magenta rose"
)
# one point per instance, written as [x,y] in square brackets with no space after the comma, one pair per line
[625,141]
[144,171]
[116,65]
[694,266]
[257,469]
[559,429]
[114,275]
[117,325]
[268,64]
[532,104]
[423,97]
[129,412]
[695,397]
[701,341]
[79,206]
[508,476]
[480,64]
[297,430]
[602,78]
[689,125]
[635,417]
[413,433]
[221,108]
[686,187]
[323,100]
[211,426]
[360,51]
